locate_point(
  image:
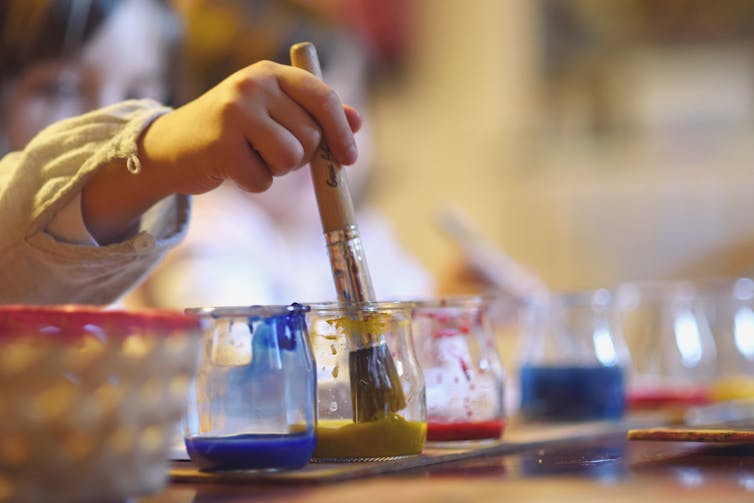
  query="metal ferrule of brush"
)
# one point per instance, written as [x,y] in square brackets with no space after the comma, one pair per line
[349,265]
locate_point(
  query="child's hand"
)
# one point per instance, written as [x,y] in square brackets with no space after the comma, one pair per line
[260,122]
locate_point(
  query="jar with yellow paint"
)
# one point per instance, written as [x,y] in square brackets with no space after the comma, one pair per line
[367,344]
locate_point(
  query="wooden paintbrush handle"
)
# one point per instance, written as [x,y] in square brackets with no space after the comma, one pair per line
[330,182]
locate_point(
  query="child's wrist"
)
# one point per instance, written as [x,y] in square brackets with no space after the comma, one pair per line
[115,197]
[156,166]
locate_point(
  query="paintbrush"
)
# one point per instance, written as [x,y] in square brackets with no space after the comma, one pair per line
[375,384]
[499,269]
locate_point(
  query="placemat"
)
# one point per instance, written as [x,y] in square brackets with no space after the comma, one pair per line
[517,439]
[693,435]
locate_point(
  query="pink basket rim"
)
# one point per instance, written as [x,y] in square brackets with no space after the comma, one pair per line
[73,320]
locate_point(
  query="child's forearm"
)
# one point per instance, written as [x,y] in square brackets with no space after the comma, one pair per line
[114,199]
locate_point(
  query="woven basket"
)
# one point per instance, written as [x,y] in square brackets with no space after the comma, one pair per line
[89,400]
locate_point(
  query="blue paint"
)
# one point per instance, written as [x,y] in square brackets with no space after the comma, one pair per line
[279,331]
[252,451]
[572,393]
[281,375]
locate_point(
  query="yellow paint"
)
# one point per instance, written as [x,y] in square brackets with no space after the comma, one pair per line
[368,323]
[389,436]
[737,387]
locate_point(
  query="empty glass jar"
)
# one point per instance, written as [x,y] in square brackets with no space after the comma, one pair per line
[574,359]
[674,355]
[370,389]
[463,371]
[253,403]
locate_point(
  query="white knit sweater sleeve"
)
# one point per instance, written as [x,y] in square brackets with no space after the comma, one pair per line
[46,257]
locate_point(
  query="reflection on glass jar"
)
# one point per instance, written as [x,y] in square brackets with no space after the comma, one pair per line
[729,309]
[693,343]
[253,403]
[370,390]
[574,359]
[672,347]
[462,369]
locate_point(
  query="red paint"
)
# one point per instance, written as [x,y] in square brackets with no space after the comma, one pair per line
[655,399]
[445,432]
[465,368]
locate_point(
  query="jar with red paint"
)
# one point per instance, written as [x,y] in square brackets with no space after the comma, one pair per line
[463,371]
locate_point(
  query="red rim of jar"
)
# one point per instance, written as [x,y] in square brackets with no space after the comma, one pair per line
[73,321]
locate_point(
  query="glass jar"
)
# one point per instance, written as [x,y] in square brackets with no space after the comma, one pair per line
[672,347]
[729,308]
[253,405]
[463,371]
[574,358]
[370,389]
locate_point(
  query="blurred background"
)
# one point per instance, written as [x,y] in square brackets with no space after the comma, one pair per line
[591,142]
[594,142]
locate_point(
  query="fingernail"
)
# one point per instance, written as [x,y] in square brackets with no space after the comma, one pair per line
[351,154]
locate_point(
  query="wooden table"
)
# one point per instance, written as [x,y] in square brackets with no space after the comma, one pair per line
[605,468]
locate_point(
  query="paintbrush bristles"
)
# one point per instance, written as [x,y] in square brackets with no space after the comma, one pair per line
[376,389]
[374,395]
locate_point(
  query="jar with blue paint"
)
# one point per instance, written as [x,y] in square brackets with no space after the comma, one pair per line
[573,359]
[253,404]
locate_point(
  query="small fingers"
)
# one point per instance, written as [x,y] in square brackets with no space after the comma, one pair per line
[251,172]
[325,107]
[282,132]
[288,114]
[276,146]
[283,113]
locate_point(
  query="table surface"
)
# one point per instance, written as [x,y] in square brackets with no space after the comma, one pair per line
[585,470]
